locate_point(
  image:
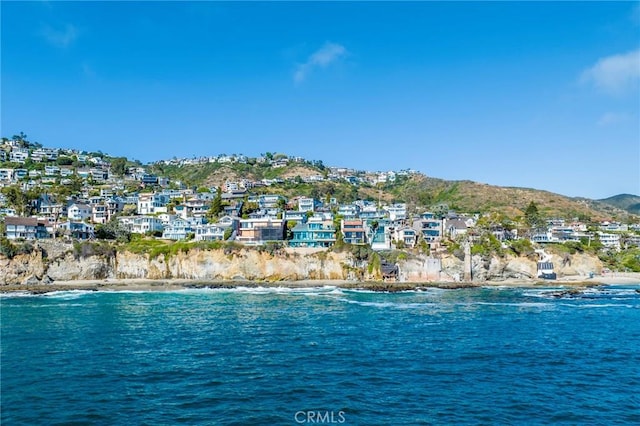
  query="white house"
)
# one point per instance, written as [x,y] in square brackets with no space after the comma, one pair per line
[19,155]
[306,204]
[142,224]
[79,211]
[611,241]
[177,229]
[396,211]
[152,203]
[406,235]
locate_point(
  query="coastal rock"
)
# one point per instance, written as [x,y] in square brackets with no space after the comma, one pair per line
[247,263]
[519,268]
[21,267]
[56,261]
[30,280]
[452,268]
[69,268]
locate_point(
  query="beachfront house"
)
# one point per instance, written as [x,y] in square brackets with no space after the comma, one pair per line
[316,232]
[353,231]
[177,229]
[406,235]
[78,230]
[216,231]
[378,236]
[142,224]
[27,228]
[260,230]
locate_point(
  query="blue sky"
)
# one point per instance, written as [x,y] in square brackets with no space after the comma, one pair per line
[543,95]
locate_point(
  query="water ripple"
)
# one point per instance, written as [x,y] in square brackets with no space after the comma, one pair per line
[259,356]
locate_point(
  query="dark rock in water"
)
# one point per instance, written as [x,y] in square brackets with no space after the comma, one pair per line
[574,292]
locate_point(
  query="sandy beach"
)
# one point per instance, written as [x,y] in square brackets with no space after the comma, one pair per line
[178,284]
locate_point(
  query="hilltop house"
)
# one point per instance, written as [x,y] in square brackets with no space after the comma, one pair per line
[611,241]
[378,236]
[457,226]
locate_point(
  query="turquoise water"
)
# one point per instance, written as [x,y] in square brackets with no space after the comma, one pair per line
[324,355]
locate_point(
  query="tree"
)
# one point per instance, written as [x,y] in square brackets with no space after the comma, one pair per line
[21,201]
[290,225]
[216,206]
[22,138]
[532,216]
[119,166]
[64,161]
[113,230]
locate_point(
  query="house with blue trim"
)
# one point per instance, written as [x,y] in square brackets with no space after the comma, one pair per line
[316,232]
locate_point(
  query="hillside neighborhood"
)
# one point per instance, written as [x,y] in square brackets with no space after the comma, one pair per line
[70,194]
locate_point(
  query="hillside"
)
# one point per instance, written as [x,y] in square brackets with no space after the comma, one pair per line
[418,190]
[291,177]
[628,202]
[511,201]
[216,174]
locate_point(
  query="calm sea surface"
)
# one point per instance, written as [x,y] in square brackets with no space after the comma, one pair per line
[323,355]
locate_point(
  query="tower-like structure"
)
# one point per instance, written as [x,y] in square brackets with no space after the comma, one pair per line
[467,261]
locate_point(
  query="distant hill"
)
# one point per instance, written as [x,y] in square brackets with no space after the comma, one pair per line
[628,202]
[512,201]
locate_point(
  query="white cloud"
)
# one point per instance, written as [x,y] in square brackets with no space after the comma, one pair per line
[616,74]
[321,58]
[60,37]
[611,118]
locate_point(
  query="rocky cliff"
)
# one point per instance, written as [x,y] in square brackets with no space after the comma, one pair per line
[55,261]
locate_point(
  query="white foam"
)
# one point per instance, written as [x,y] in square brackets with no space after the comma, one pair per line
[67,294]
[12,294]
[392,305]
[515,304]
[602,305]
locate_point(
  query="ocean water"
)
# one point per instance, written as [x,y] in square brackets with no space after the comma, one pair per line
[322,356]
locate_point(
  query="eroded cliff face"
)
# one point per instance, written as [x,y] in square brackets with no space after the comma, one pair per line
[54,261]
[243,265]
[496,268]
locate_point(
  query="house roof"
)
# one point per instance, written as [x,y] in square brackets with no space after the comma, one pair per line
[25,221]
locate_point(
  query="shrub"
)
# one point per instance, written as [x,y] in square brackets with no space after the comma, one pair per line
[522,247]
[7,248]
[82,250]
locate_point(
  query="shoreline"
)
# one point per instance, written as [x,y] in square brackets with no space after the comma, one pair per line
[143,284]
